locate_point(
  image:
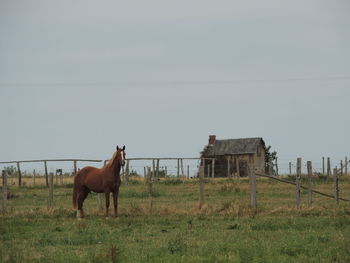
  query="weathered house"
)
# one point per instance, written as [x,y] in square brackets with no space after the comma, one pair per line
[233,156]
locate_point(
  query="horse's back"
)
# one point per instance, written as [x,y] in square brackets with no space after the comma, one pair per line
[91,178]
[83,173]
[90,169]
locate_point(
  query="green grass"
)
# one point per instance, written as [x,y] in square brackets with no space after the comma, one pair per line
[174,239]
[226,229]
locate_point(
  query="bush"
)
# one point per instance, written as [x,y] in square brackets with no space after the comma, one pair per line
[176,245]
[230,187]
[172,181]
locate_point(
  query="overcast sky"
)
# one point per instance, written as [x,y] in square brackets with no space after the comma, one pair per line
[79,77]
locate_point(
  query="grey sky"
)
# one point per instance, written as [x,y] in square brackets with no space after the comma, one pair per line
[79,77]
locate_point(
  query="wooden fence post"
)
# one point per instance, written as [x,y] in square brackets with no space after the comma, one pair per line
[127,172]
[252,184]
[182,167]
[336,187]
[229,167]
[166,171]
[61,177]
[100,196]
[56,177]
[19,175]
[123,174]
[75,167]
[145,173]
[290,168]
[201,184]
[213,168]
[346,166]
[298,183]
[201,163]
[157,169]
[153,168]
[178,168]
[276,164]
[309,183]
[50,203]
[238,170]
[34,174]
[4,192]
[323,168]
[10,175]
[208,170]
[188,172]
[46,174]
[149,188]
[328,167]
[341,168]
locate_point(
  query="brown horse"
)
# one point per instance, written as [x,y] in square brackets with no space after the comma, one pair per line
[99,180]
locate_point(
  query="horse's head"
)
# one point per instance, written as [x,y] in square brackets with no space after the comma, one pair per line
[121,155]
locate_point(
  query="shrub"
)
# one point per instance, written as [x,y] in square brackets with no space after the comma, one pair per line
[176,245]
[172,181]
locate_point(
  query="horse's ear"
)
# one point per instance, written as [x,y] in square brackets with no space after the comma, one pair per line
[117,147]
[124,148]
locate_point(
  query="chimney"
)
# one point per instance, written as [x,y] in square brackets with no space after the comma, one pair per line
[212,139]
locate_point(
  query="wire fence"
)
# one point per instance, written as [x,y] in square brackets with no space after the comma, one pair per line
[165,167]
[180,193]
[195,170]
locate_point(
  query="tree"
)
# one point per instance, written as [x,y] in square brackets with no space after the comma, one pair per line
[10,170]
[270,158]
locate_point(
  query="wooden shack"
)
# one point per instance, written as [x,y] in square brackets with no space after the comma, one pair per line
[233,156]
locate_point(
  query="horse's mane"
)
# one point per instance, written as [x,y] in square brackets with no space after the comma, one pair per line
[110,162]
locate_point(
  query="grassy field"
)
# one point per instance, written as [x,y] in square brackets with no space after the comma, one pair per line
[225,229]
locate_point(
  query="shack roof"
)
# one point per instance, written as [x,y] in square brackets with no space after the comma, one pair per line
[233,146]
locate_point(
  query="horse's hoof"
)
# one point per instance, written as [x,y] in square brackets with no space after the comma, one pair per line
[106,217]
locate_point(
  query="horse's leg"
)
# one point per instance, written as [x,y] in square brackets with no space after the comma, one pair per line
[115,201]
[83,193]
[107,203]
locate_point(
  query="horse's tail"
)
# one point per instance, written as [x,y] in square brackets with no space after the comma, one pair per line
[75,189]
[75,194]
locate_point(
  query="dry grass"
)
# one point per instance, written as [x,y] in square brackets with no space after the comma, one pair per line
[39,180]
[224,229]
[222,197]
